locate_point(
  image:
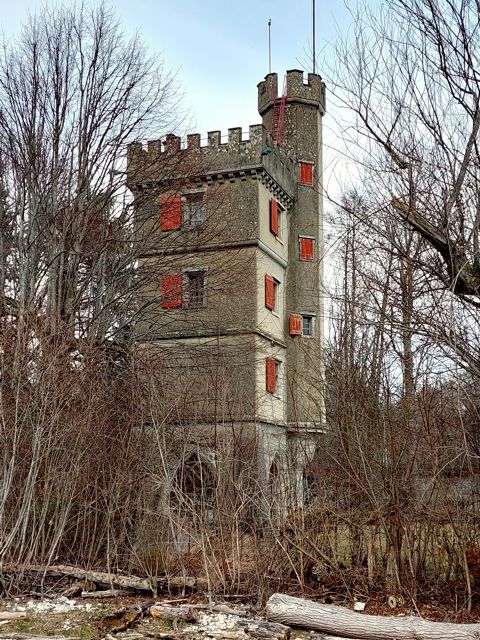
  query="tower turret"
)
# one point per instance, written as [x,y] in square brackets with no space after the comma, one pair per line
[302,142]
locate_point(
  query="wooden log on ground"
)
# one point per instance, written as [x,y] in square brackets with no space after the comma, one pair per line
[108,580]
[216,608]
[27,636]
[173,613]
[112,580]
[12,615]
[108,593]
[343,623]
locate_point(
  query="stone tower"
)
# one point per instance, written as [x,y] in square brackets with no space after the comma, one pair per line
[301,140]
[234,303]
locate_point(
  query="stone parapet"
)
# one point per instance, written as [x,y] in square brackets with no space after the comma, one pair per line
[311,92]
[147,163]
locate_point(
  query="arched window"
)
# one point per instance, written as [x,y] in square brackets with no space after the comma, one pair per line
[275,493]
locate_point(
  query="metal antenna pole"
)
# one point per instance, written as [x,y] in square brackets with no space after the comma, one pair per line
[313,29]
[313,37]
[269,46]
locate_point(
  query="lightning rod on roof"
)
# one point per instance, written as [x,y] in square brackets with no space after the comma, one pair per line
[269,46]
[313,37]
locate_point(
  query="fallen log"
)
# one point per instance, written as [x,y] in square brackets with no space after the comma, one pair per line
[343,623]
[108,593]
[12,615]
[27,636]
[215,608]
[112,580]
[109,580]
[173,613]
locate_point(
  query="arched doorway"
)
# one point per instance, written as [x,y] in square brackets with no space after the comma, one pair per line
[192,501]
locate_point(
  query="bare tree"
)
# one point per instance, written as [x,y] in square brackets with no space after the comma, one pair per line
[73,92]
[410,76]
[401,462]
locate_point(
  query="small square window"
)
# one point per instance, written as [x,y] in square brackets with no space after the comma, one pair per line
[194,289]
[193,209]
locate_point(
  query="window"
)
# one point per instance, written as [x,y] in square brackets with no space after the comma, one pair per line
[271,292]
[193,209]
[272,371]
[276,218]
[185,289]
[300,324]
[170,213]
[194,288]
[171,286]
[307,326]
[306,173]
[307,248]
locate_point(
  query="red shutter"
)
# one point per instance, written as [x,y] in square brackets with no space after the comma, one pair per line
[271,375]
[274,216]
[171,291]
[306,173]
[306,248]
[295,324]
[269,292]
[170,213]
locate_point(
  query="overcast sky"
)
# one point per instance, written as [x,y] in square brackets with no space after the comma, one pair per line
[219,48]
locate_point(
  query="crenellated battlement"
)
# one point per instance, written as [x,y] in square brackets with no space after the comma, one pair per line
[311,92]
[214,144]
[210,156]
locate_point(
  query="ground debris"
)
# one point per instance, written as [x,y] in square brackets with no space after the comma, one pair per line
[123,618]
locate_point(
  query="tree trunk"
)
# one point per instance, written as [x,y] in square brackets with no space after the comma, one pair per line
[347,624]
